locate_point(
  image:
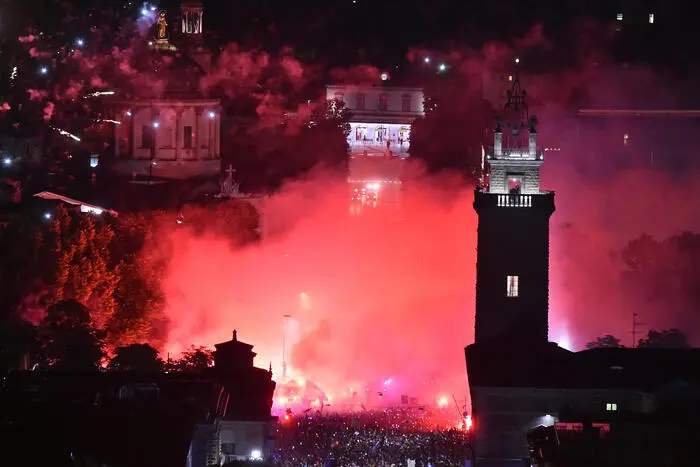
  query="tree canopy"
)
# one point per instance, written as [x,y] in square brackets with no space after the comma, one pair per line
[605,341]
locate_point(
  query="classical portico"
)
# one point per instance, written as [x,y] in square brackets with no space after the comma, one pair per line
[168,138]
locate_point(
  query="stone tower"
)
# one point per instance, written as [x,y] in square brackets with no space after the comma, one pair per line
[512,279]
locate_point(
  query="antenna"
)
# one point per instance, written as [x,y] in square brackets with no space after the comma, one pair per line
[635,324]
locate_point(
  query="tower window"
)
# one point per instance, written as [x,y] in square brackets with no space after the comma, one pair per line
[651,18]
[611,407]
[619,16]
[512,286]
[514,185]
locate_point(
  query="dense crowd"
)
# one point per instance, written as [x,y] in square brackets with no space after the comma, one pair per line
[392,437]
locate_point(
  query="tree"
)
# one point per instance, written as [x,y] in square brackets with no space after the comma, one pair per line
[605,341]
[455,126]
[136,357]
[194,360]
[666,339]
[67,338]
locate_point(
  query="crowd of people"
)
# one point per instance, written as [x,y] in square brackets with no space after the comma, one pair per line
[382,438]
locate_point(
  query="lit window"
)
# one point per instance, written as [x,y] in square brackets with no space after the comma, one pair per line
[625,139]
[512,286]
[611,407]
[619,16]
[187,137]
[510,77]
[651,18]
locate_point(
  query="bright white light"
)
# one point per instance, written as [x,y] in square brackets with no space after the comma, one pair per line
[153,8]
[619,16]
[94,161]
[517,60]
[144,11]
[91,210]
[442,402]
[651,18]
[212,114]
[375,186]
[442,67]
[156,124]
[47,215]
[385,76]
[79,42]
[128,113]
[547,420]
[43,70]
[388,382]
[426,59]
[256,455]
[7,161]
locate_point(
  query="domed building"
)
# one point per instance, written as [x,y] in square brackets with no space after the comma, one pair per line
[169,130]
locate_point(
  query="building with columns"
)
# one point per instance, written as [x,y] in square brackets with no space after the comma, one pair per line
[174,132]
[605,401]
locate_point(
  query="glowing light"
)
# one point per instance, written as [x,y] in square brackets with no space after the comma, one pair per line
[47,215]
[100,93]
[282,400]
[426,60]
[517,60]
[255,455]
[43,70]
[79,42]
[651,18]
[468,423]
[442,67]
[212,114]
[619,16]
[564,342]
[128,113]
[94,161]
[6,161]
[156,124]
[442,402]
[153,8]
[144,11]
[384,76]
[65,133]
[388,382]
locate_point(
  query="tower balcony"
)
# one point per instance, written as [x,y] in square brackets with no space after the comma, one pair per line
[544,199]
[515,154]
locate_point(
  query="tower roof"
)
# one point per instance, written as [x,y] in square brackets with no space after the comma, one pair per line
[516,113]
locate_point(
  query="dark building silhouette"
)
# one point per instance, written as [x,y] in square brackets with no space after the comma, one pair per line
[533,401]
[122,419]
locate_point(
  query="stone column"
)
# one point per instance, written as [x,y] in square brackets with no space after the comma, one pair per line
[497,143]
[533,144]
[178,123]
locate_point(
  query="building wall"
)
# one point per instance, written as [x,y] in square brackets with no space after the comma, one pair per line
[186,138]
[503,416]
[353,97]
[513,240]
[240,439]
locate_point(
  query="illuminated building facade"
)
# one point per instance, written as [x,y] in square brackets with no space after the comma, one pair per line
[175,133]
[381,117]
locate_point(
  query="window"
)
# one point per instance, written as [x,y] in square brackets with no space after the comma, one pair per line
[512,286]
[187,137]
[146,136]
[360,101]
[406,103]
[383,102]
[625,139]
[514,185]
[611,407]
[619,16]
[651,18]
